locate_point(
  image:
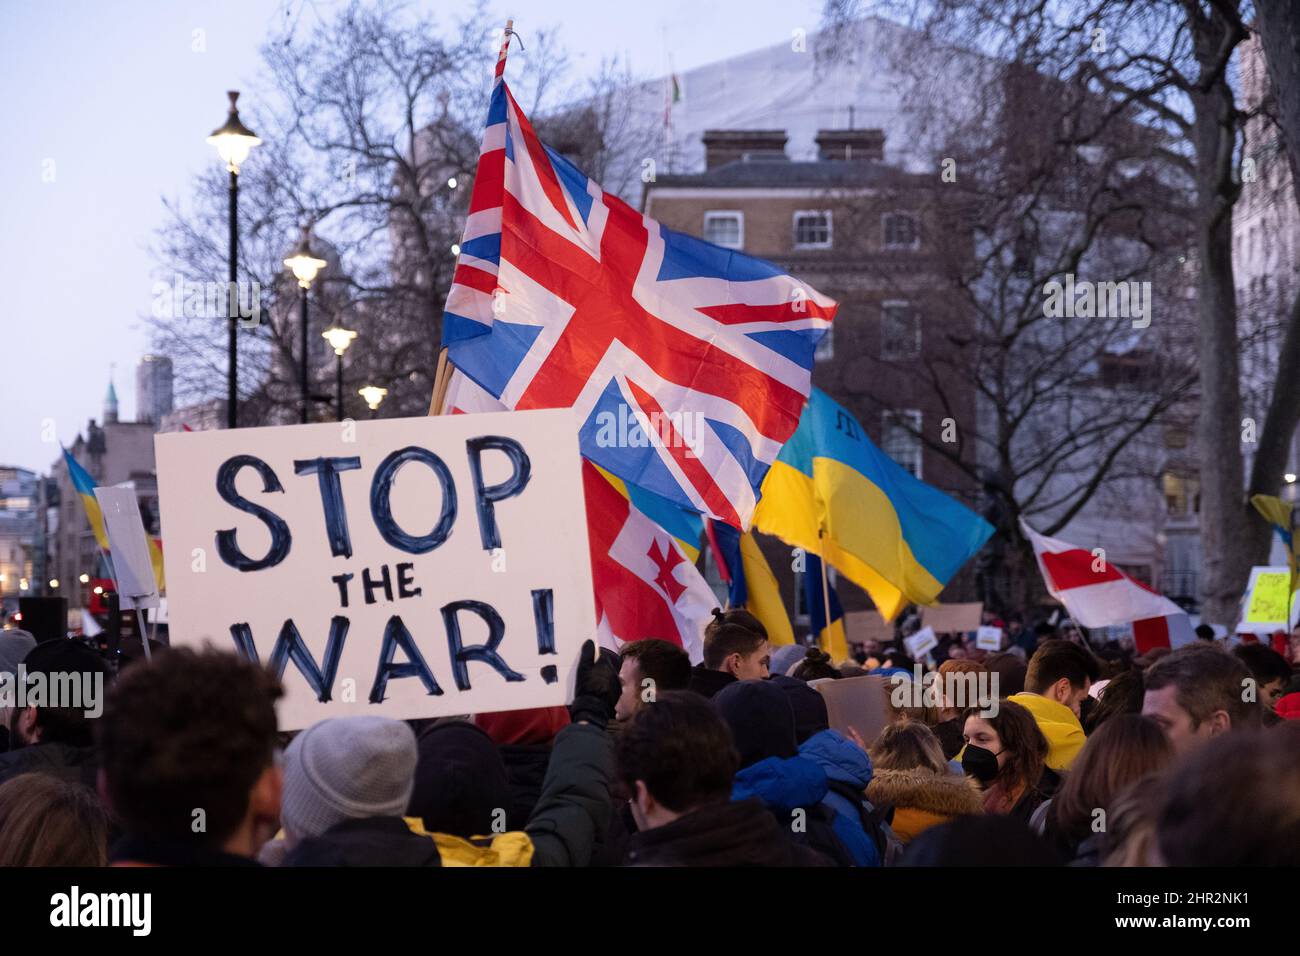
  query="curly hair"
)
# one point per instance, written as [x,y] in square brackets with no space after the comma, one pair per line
[190,730]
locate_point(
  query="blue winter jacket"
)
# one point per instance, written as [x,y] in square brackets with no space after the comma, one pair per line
[845,762]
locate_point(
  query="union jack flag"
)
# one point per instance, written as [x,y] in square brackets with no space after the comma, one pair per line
[565,296]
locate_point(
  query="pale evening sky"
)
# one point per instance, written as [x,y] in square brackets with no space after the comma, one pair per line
[107,106]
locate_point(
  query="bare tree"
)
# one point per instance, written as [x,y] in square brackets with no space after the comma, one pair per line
[371,123]
[1038,177]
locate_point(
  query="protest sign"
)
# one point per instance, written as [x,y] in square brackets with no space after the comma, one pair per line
[405,567]
[863,626]
[132,567]
[988,638]
[1268,600]
[920,643]
[857,703]
[953,618]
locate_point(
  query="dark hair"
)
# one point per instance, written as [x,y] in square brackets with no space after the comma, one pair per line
[735,615]
[681,749]
[1010,670]
[1206,678]
[1023,742]
[1205,632]
[188,730]
[895,656]
[668,665]
[1056,659]
[1122,694]
[48,821]
[1266,664]
[727,639]
[60,660]
[815,665]
[1234,802]
[1122,752]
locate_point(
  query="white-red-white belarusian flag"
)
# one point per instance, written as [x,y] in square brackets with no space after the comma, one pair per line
[1098,594]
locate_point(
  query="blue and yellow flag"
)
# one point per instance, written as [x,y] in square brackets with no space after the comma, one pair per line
[1281,516]
[830,637]
[896,537]
[752,585]
[85,486]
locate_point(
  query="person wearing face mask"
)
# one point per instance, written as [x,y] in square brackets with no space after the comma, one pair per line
[1056,684]
[1006,755]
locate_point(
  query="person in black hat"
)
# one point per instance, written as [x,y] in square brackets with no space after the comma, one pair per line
[62,690]
[988,840]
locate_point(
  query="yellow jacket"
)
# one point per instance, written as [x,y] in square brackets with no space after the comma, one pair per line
[505,849]
[1064,733]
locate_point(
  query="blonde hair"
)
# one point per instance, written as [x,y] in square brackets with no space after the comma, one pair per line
[46,821]
[907,744]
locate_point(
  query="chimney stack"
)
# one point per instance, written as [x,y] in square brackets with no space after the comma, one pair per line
[851,144]
[722,146]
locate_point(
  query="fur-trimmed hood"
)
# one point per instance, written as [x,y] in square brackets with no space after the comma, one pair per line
[946,794]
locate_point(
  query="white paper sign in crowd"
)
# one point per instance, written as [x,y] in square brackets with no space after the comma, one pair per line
[407,567]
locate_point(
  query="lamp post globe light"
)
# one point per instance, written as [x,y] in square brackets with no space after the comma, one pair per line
[339,339]
[233,142]
[373,395]
[304,264]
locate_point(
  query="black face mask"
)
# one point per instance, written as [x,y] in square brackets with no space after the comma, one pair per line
[980,763]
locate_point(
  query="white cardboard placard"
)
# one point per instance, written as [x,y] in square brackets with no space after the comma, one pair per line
[372,565]
[136,585]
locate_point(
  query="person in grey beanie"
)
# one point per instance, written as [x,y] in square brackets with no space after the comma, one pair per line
[347,781]
[786,657]
[14,645]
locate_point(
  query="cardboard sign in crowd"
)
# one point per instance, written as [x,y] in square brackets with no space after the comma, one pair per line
[406,567]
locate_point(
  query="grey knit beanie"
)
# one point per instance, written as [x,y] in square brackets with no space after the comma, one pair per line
[14,645]
[346,768]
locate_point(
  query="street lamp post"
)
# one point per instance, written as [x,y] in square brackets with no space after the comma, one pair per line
[373,395]
[233,141]
[304,264]
[339,339]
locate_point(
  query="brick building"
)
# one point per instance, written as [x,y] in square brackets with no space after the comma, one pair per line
[859,230]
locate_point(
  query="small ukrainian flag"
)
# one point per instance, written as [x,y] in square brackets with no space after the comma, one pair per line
[890,533]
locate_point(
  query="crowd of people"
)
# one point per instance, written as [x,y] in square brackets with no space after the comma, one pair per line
[1081,757]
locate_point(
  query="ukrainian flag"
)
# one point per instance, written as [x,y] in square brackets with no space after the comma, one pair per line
[832,492]
[85,486]
[752,584]
[830,636]
[1279,514]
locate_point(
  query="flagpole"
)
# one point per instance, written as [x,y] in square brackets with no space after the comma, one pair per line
[826,590]
[442,377]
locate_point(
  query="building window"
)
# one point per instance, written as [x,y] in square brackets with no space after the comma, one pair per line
[825,350]
[901,231]
[901,438]
[812,229]
[900,330]
[725,229]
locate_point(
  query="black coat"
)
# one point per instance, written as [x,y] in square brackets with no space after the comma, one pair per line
[375,841]
[525,773]
[707,682]
[735,833]
[74,764]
